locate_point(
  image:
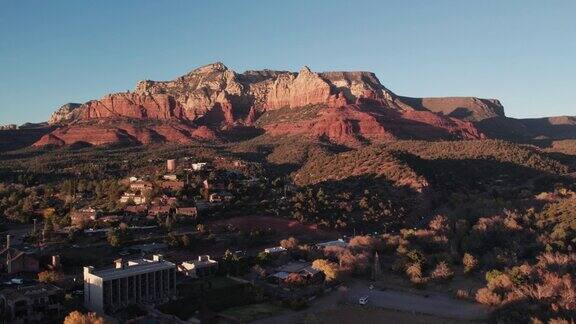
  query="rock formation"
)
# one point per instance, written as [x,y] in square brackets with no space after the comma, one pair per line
[350,108]
[64,114]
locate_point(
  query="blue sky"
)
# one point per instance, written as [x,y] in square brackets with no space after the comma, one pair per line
[522,52]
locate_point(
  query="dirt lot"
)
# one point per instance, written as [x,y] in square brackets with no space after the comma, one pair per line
[389,306]
[355,314]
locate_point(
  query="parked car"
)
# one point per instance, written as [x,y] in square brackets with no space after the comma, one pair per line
[363,300]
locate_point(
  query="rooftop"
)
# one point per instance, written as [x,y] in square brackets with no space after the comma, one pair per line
[293,267]
[202,261]
[133,267]
[339,242]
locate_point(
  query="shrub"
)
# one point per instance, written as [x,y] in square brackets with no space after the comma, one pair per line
[470,263]
[442,271]
[487,297]
[492,274]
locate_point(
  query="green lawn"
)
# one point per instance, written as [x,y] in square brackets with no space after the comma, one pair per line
[249,313]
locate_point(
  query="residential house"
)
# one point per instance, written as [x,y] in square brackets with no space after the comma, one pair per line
[156,211]
[140,186]
[303,269]
[172,185]
[200,268]
[171,177]
[83,216]
[199,166]
[189,212]
[221,196]
[40,303]
[14,261]
[136,210]
[129,283]
[130,197]
[165,200]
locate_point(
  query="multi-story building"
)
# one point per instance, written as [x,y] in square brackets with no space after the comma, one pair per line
[134,282]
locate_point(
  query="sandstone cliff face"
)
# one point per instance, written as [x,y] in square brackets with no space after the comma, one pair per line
[65,114]
[214,86]
[133,105]
[356,109]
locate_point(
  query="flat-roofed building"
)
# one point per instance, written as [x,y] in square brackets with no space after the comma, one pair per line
[274,250]
[338,243]
[134,282]
[200,268]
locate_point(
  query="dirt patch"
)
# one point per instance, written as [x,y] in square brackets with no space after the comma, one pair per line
[353,314]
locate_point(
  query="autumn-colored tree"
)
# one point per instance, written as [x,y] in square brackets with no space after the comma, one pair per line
[414,271]
[442,271]
[50,276]
[294,280]
[365,242]
[78,318]
[289,243]
[330,269]
[470,263]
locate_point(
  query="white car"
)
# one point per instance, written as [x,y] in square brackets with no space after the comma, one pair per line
[363,300]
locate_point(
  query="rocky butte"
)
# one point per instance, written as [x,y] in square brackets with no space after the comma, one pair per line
[215,103]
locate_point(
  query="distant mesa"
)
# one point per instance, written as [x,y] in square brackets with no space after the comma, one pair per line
[349,108]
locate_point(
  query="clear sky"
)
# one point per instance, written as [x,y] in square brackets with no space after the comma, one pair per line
[522,52]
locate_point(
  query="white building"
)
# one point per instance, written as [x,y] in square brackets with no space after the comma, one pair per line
[140,281]
[171,177]
[129,196]
[273,250]
[199,166]
[202,267]
[338,243]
